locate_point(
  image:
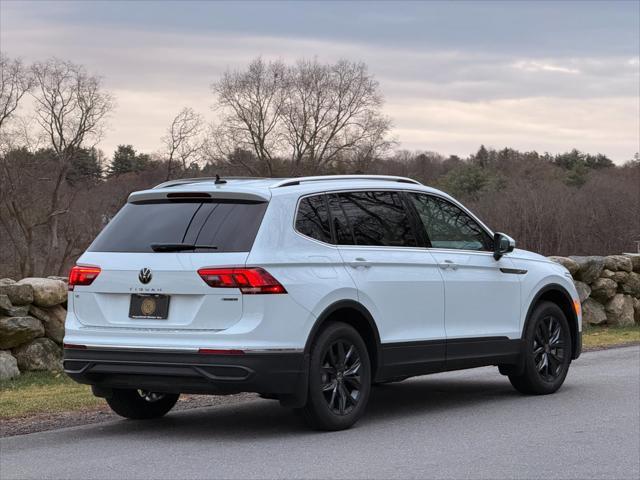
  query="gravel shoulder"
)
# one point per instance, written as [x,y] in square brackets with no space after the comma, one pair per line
[50,421]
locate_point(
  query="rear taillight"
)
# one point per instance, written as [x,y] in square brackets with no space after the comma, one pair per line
[80,275]
[248,280]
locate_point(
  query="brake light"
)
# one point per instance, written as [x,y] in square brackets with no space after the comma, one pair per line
[74,346]
[80,275]
[248,280]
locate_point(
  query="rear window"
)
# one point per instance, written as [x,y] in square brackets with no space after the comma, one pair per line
[231,226]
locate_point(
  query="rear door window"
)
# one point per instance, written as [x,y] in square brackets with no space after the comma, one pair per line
[378,218]
[231,226]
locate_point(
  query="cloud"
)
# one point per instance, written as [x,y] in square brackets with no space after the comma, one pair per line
[607,126]
[533,66]
[445,98]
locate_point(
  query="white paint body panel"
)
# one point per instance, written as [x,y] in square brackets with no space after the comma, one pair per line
[480,300]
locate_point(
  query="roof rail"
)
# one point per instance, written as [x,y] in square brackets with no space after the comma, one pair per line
[185,181]
[321,178]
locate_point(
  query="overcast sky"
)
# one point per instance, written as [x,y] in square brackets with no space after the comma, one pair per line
[546,76]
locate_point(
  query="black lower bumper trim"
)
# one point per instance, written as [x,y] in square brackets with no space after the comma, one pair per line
[272,373]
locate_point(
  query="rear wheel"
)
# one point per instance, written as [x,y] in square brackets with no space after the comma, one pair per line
[339,379]
[141,404]
[547,352]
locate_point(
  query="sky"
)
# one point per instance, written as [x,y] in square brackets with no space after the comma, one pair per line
[545,76]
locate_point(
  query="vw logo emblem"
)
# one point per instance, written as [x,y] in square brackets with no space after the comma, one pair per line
[144,276]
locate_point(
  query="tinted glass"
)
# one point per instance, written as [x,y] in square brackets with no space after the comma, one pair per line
[341,226]
[378,218]
[312,219]
[231,227]
[447,226]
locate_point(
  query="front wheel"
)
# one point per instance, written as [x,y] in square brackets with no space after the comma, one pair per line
[141,404]
[547,352]
[339,379]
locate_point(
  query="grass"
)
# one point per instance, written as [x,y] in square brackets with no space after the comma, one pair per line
[44,392]
[602,337]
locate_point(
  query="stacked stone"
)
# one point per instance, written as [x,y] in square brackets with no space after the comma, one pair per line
[609,287]
[32,315]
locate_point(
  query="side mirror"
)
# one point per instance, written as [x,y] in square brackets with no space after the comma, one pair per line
[502,244]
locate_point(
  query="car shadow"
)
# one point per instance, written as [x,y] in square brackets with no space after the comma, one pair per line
[259,418]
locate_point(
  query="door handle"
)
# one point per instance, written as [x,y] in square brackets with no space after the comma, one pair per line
[360,262]
[448,264]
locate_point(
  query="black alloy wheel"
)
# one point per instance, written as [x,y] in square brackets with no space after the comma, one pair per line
[549,348]
[341,382]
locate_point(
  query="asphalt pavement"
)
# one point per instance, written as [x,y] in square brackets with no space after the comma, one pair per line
[466,424]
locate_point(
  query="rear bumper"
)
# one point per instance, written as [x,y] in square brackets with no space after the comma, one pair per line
[177,372]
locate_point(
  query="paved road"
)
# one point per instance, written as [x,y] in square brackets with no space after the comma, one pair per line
[467,424]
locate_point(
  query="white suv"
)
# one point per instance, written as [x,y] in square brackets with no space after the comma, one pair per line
[308,290]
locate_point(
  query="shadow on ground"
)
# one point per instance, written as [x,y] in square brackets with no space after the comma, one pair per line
[265,418]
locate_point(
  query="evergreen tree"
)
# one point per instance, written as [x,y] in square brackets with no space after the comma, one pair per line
[125,160]
[85,165]
[482,157]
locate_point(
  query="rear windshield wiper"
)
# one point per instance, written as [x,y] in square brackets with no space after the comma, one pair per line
[178,247]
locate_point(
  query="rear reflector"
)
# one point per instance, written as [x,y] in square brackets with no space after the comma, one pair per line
[249,280]
[82,275]
[211,351]
[73,346]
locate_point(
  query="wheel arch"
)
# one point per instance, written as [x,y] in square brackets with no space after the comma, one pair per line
[557,294]
[355,314]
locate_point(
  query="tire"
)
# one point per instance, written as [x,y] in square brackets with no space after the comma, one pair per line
[547,352]
[339,379]
[141,404]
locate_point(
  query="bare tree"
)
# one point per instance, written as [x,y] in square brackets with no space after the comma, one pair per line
[15,82]
[251,104]
[71,107]
[182,141]
[333,112]
[311,114]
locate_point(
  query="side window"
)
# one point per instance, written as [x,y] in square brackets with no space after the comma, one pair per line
[378,218]
[341,227]
[312,219]
[447,226]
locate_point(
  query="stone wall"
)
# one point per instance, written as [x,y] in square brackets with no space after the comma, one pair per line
[32,314]
[609,288]
[33,310]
